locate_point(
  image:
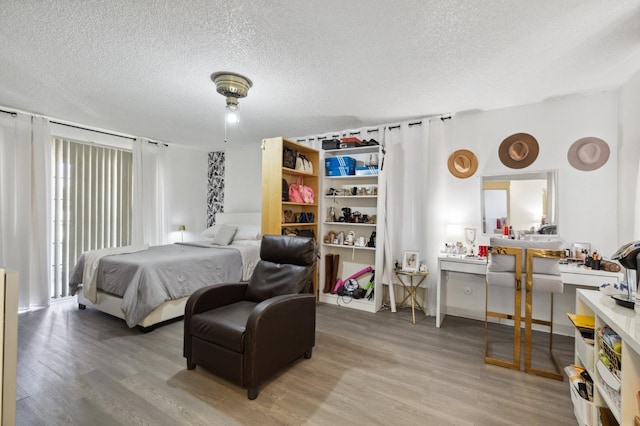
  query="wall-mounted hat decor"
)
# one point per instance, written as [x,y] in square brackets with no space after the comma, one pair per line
[462,163]
[518,150]
[588,154]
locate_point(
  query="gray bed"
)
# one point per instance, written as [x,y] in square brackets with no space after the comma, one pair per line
[151,285]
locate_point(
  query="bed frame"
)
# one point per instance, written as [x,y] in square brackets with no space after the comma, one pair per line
[110,304]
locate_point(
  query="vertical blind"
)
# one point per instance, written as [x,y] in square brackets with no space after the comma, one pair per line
[92,204]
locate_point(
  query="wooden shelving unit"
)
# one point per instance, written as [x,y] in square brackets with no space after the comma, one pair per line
[272,174]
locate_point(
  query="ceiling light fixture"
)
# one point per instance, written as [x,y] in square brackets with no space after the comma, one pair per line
[232,86]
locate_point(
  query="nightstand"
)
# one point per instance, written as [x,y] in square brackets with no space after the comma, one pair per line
[410,287]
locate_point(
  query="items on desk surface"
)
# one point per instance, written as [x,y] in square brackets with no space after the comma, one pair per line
[614,288]
[455,248]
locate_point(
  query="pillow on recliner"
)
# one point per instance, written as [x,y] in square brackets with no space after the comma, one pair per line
[275,279]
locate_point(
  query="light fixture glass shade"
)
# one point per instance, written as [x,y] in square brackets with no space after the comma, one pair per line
[231,114]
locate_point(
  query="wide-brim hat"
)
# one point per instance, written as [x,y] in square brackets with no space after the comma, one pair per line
[518,150]
[462,163]
[588,154]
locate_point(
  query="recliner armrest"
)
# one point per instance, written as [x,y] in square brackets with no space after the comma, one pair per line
[213,297]
[207,298]
[288,306]
[280,320]
[279,330]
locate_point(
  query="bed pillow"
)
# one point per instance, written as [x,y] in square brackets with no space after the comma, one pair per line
[224,236]
[247,232]
[211,231]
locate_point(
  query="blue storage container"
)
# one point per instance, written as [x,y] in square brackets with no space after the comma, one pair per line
[340,166]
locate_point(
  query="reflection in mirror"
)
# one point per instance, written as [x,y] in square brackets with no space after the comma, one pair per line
[526,202]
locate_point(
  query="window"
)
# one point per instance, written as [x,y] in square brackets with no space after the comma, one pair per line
[91,207]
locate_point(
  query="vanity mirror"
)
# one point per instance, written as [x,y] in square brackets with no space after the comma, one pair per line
[527,202]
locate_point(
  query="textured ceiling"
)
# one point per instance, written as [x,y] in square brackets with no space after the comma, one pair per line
[143,67]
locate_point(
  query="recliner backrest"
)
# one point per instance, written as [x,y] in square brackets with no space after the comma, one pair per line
[286,267]
[502,263]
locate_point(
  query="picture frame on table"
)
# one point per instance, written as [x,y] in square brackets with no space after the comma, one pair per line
[410,261]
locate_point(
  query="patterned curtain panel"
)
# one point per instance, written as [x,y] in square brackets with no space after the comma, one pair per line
[215,190]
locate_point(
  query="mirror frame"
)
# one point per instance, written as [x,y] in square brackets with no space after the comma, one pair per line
[551,177]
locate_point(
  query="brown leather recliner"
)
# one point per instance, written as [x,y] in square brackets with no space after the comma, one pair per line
[246,332]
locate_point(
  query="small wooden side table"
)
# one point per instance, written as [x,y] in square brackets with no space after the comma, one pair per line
[411,288]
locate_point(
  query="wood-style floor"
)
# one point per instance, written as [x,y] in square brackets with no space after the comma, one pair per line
[87,368]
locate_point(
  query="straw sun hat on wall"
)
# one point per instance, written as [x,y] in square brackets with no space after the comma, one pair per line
[462,163]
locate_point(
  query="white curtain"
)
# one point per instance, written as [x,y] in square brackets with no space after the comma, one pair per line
[148,218]
[413,197]
[636,216]
[25,205]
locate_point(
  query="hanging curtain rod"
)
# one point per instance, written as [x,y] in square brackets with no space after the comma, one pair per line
[15,114]
[12,113]
[92,130]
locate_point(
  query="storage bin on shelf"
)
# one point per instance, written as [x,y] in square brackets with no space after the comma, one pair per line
[340,166]
[581,406]
[610,351]
[609,366]
[367,171]
[585,352]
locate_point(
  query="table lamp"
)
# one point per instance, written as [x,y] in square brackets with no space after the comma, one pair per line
[182,228]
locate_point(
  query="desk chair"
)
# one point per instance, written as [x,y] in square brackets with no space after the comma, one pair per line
[504,271]
[543,275]
[507,259]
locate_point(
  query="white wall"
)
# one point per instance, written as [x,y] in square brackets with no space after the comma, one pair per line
[587,200]
[243,179]
[186,193]
[587,203]
[628,159]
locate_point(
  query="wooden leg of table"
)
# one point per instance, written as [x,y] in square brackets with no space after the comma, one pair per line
[413,305]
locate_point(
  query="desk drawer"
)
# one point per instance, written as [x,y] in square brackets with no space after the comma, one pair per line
[465,268]
[590,280]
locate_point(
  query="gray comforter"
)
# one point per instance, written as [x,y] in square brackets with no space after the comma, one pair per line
[148,278]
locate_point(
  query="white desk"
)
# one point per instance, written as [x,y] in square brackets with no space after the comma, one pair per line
[453,263]
[571,275]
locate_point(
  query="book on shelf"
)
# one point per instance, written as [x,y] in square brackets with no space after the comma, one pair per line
[585,325]
[582,321]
